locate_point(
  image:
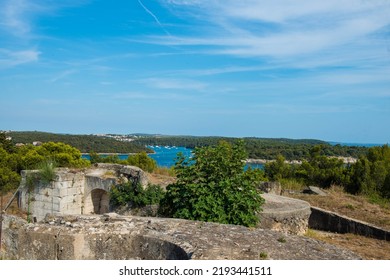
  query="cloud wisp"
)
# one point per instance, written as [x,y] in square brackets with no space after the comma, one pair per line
[282,29]
[10,58]
[154,17]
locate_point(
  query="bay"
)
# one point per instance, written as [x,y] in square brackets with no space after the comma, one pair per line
[165,156]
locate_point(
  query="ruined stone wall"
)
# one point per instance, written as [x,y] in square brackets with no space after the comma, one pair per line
[75,192]
[64,195]
[111,236]
[329,221]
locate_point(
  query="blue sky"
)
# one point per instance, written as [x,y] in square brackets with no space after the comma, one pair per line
[294,69]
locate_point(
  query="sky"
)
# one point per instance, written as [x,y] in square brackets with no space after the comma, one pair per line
[282,68]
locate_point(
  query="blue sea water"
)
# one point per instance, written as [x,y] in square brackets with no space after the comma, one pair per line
[368,145]
[165,156]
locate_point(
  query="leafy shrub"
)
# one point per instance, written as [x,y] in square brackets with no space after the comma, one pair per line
[213,186]
[143,161]
[135,195]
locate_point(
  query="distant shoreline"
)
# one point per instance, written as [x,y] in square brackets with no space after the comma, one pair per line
[264,161]
[249,160]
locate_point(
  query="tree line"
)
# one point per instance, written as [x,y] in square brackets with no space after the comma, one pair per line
[13,159]
[260,148]
[84,143]
[370,175]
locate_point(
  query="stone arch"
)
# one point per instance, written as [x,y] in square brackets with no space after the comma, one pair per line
[97,202]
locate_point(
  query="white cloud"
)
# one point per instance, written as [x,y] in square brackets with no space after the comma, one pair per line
[62,75]
[17,16]
[283,29]
[14,17]
[178,84]
[13,58]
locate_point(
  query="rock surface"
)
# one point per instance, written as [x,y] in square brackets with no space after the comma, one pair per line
[285,214]
[111,236]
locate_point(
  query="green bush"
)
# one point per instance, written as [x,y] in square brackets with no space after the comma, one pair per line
[143,161]
[135,195]
[214,187]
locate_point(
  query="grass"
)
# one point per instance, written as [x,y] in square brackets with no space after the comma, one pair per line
[367,248]
[109,174]
[358,207]
[291,185]
[164,171]
[282,239]
[263,256]
[47,172]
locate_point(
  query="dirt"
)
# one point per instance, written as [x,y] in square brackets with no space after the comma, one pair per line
[367,248]
[159,179]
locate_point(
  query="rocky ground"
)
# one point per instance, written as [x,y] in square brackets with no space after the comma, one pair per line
[112,236]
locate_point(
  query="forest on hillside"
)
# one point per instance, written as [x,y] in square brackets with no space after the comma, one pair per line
[84,143]
[260,148]
[257,148]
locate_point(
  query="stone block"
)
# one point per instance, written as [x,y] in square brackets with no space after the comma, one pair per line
[72,191]
[60,192]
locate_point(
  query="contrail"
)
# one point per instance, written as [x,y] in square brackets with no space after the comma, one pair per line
[155,18]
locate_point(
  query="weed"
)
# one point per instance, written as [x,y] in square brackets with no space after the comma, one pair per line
[109,174]
[292,184]
[282,239]
[164,171]
[47,172]
[311,233]
[263,256]
[350,207]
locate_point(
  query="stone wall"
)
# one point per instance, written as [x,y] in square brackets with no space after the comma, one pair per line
[76,192]
[64,195]
[111,236]
[329,221]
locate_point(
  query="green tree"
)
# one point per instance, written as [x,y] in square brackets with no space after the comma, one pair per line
[371,174]
[278,169]
[9,179]
[62,154]
[322,170]
[5,143]
[143,161]
[213,186]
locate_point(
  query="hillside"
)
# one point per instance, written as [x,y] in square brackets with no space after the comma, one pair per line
[259,148]
[85,143]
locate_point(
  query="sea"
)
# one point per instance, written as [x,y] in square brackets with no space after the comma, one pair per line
[165,156]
